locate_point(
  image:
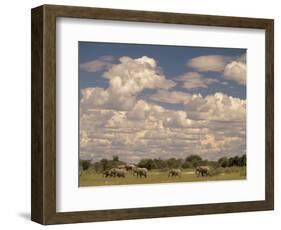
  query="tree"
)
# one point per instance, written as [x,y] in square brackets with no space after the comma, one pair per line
[160,164]
[174,163]
[236,161]
[242,160]
[194,160]
[147,163]
[115,158]
[187,164]
[104,164]
[232,161]
[223,162]
[85,165]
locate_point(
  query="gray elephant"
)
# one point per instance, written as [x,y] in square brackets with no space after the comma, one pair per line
[109,173]
[119,172]
[121,166]
[202,170]
[140,172]
[174,173]
[130,167]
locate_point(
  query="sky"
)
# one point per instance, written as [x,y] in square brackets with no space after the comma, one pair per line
[154,101]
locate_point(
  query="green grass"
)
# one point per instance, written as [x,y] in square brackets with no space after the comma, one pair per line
[91,178]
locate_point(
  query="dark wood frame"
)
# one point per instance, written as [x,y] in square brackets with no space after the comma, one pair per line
[43,188]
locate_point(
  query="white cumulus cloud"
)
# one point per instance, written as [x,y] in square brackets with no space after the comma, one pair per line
[236,71]
[233,69]
[207,63]
[126,80]
[193,80]
[131,76]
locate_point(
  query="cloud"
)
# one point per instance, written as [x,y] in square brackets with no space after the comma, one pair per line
[139,111]
[84,140]
[177,119]
[173,97]
[115,121]
[213,107]
[193,80]
[233,69]
[93,98]
[215,63]
[242,58]
[236,71]
[131,76]
[102,63]
[211,126]
[216,107]
[126,80]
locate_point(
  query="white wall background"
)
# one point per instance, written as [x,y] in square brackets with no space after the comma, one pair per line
[15,113]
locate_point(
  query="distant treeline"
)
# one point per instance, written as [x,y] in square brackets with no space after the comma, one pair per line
[191,161]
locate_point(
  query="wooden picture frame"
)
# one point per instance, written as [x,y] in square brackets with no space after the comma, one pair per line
[43,189]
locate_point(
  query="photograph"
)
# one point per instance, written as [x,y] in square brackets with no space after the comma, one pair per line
[153,114]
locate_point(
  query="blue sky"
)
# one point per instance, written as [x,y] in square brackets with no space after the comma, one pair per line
[171,59]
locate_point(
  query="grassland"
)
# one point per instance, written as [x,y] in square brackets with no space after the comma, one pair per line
[92,178]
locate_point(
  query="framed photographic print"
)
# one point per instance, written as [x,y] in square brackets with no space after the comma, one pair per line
[141,114]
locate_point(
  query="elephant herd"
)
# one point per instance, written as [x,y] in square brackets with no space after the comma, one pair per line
[199,171]
[139,172]
[115,172]
[122,170]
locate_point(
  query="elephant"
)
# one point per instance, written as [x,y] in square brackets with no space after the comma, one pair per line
[174,173]
[140,172]
[106,173]
[121,166]
[130,167]
[202,170]
[119,172]
[109,173]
